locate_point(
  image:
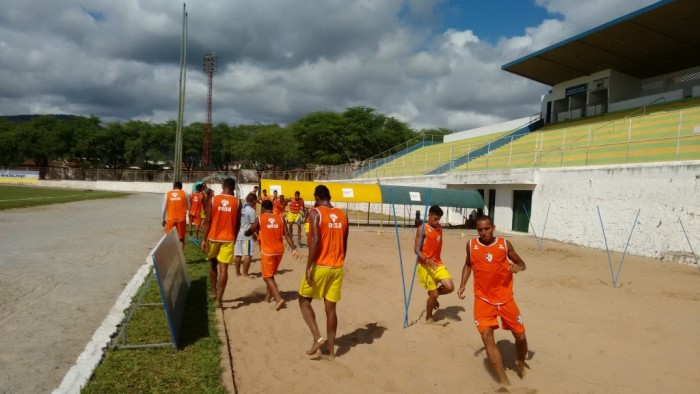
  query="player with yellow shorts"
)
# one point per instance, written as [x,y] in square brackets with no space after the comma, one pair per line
[328,282]
[221,251]
[430,278]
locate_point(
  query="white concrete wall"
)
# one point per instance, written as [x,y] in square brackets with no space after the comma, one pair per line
[133,187]
[644,100]
[663,192]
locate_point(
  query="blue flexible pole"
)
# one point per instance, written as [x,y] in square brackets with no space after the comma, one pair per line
[532,226]
[415,266]
[612,276]
[622,260]
[398,246]
[689,244]
[544,227]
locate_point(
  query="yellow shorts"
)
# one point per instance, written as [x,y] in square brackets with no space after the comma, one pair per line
[327,284]
[222,251]
[431,277]
[306,227]
[293,217]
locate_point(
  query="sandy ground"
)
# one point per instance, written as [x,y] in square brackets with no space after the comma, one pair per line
[584,336]
[61,269]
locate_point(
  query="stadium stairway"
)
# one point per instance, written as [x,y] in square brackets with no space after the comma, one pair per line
[490,146]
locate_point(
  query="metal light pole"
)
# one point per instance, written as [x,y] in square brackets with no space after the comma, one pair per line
[209,69]
[177,167]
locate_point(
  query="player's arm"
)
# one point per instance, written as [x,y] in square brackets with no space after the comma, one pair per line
[314,244]
[516,263]
[347,232]
[163,208]
[207,225]
[289,239]
[417,248]
[466,273]
[254,227]
[237,224]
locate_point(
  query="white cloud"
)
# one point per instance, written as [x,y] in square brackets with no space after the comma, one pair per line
[278,59]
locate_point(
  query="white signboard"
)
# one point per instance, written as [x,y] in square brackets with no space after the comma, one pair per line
[275,188]
[19,177]
[348,193]
[415,196]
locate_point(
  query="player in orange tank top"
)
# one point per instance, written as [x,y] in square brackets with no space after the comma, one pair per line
[323,279]
[494,261]
[271,231]
[433,275]
[296,212]
[174,210]
[196,206]
[220,230]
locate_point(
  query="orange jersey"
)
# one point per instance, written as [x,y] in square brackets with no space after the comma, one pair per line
[271,234]
[176,206]
[278,206]
[196,203]
[265,198]
[224,214]
[332,224]
[493,279]
[296,205]
[432,243]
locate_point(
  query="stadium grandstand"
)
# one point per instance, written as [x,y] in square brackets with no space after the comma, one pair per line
[618,132]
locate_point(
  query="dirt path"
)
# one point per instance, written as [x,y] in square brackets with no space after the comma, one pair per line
[584,336]
[61,269]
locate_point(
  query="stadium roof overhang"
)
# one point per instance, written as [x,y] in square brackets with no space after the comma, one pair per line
[655,40]
[383,194]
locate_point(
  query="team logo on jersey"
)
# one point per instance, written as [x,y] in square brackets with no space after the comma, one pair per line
[272,223]
[174,196]
[438,238]
[501,246]
[520,320]
[489,257]
[476,247]
[224,206]
[334,217]
[476,323]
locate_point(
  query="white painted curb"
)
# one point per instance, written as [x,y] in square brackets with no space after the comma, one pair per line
[79,374]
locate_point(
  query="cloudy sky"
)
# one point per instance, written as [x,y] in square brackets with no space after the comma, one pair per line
[430,63]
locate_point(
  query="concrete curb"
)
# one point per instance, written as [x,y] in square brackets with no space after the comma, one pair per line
[79,374]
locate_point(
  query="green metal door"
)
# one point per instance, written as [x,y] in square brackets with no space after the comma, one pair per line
[522,200]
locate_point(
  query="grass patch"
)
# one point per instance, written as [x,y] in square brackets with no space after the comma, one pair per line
[26,196]
[195,368]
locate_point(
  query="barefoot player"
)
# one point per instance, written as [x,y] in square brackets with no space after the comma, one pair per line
[220,230]
[174,210]
[295,214]
[272,230]
[196,206]
[433,275]
[328,244]
[494,262]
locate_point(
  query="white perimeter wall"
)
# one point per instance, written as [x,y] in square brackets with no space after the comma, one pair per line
[664,192]
[485,130]
[134,187]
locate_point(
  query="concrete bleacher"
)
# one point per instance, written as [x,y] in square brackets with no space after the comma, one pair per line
[429,158]
[670,133]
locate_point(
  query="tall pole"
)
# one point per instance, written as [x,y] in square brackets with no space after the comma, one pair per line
[177,167]
[209,68]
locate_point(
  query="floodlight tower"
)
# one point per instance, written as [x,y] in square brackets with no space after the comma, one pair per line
[209,68]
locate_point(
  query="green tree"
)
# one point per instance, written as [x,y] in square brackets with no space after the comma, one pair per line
[322,138]
[270,147]
[9,144]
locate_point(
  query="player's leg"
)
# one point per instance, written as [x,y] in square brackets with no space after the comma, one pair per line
[221,283]
[446,286]
[494,356]
[521,349]
[247,257]
[431,305]
[307,312]
[331,326]
[237,262]
[213,275]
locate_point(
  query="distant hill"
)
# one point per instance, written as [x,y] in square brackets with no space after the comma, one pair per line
[26,118]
